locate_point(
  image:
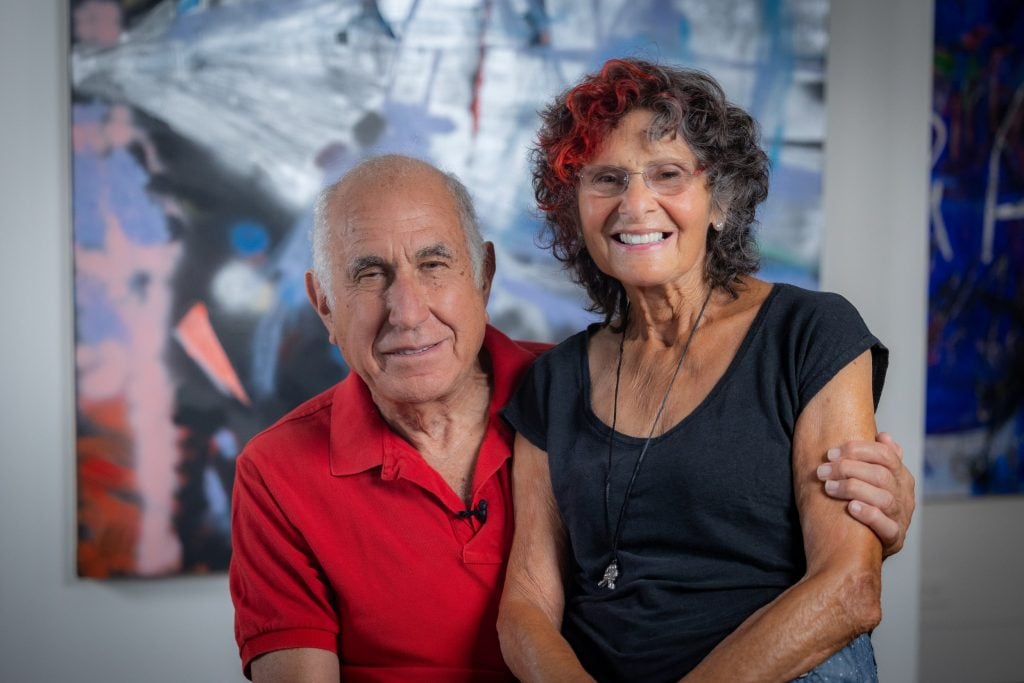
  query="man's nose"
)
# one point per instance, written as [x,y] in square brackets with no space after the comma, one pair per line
[407,302]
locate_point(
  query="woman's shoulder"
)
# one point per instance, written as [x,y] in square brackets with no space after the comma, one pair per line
[572,344]
[565,354]
[820,318]
[794,301]
[544,384]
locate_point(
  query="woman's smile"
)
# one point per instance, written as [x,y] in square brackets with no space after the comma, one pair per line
[641,238]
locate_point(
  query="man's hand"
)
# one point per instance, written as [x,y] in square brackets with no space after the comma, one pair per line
[871,475]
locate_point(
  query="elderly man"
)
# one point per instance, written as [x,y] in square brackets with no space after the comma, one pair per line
[372,524]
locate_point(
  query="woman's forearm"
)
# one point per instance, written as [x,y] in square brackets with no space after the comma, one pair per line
[530,614]
[800,629]
[532,646]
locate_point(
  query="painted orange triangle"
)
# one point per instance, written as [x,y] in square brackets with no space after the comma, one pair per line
[195,334]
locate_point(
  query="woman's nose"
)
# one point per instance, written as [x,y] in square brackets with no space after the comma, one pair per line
[637,199]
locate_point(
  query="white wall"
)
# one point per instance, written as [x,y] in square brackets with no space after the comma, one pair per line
[54,627]
[972,602]
[876,241]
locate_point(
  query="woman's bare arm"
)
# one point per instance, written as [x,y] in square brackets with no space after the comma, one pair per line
[840,595]
[530,617]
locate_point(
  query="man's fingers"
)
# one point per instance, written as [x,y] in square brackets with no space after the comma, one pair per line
[886,439]
[857,490]
[872,476]
[866,451]
[886,529]
[876,475]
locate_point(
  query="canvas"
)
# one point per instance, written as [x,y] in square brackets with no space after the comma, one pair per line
[202,132]
[975,395]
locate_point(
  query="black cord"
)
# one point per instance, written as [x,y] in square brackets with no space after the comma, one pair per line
[643,452]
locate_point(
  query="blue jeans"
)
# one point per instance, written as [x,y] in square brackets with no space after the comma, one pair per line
[855,663]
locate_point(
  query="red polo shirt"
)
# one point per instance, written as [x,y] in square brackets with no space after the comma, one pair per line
[344,539]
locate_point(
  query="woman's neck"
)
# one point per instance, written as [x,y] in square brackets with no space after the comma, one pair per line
[665,315]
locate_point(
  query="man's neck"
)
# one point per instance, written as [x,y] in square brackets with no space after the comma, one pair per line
[446,432]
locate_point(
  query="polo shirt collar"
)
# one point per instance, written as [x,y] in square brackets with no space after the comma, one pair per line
[357,429]
[360,436]
[508,361]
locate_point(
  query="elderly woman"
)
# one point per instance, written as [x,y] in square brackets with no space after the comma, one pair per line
[668,523]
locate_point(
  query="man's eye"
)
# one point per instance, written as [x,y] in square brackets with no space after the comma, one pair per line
[369,275]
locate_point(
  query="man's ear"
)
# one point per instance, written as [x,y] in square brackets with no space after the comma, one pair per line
[489,267]
[318,299]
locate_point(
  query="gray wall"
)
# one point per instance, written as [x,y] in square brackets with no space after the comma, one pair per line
[876,240]
[972,596]
[54,627]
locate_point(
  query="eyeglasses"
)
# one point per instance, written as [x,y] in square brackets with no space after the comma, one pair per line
[666,178]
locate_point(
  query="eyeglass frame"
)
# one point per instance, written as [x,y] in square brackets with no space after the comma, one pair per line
[586,185]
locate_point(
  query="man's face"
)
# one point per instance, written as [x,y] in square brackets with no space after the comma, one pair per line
[407,314]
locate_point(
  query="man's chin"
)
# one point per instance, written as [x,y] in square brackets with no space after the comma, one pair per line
[413,388]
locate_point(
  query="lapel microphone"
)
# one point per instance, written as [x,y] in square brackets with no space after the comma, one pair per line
[480,512]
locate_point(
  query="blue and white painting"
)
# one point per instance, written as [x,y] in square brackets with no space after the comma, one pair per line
[202,132]
[975,397]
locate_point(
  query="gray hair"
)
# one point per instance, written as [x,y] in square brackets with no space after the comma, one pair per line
[393,166]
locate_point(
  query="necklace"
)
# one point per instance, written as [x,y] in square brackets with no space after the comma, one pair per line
[611,572]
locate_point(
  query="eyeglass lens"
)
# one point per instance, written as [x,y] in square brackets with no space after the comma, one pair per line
[609,181]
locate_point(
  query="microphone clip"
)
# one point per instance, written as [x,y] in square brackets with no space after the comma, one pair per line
[480,512]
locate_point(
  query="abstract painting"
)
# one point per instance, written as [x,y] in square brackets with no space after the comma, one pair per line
[974,441]
[202,132]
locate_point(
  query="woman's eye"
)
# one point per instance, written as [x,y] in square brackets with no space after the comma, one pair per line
[669,173]
[607,179]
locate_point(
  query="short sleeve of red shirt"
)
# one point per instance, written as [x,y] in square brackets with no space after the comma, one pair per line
[282,599]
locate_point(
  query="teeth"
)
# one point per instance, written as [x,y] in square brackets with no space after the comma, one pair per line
[411,352]
[644,238]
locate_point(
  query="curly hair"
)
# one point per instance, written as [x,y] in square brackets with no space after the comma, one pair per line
[691,104]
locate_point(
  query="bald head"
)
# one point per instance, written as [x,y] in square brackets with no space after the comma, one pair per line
[383,178]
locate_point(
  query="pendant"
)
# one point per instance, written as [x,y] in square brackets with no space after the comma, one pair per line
[610,574]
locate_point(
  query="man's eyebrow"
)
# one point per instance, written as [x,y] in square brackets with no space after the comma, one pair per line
[361,263]
[438,250]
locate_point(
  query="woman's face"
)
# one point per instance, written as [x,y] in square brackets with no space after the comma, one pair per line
[641,237]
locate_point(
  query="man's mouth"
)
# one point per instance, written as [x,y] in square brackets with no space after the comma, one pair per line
[413,351]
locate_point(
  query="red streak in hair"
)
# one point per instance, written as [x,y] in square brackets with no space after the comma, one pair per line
[595,105]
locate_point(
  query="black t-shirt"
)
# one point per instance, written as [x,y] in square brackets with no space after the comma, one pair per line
[712,532]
